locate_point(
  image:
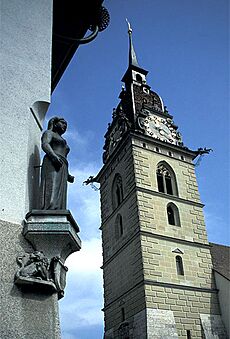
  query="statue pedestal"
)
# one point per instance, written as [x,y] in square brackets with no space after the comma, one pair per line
[54,232]
[53,235]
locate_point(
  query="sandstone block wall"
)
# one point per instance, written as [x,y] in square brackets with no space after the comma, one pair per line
[140,272]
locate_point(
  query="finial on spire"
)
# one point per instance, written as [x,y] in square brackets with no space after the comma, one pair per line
[132,55]
[129,26]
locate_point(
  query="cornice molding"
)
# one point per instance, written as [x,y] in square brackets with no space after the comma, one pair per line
[169,196]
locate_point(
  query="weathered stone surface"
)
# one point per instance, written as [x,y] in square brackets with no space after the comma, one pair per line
[213,326]
[161,324]
[109,334]
[140,325]
[23,315]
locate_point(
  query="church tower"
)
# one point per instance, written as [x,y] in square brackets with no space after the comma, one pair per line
[156,257]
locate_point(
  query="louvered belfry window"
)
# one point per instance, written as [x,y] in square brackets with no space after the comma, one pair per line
[166,180]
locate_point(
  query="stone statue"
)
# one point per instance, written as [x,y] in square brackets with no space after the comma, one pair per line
[54,172]
[33,265]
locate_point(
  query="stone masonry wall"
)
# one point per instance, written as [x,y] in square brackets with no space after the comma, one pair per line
[140,273]
[187,306]
[122,259]
[193,293]
[133,302]
[160,265]
[121,163]
[153,204]
[145,163]
[123,271]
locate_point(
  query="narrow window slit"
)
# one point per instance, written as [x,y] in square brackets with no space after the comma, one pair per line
[189,334]
[179,265]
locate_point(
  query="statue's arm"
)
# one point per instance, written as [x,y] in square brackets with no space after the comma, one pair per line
[46,140]
[46,146]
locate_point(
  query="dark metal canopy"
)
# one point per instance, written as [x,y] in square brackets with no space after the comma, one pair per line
[71,20]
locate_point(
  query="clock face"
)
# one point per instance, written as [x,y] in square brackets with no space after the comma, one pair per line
[160,128]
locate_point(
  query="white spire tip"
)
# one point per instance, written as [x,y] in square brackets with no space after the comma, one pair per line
[129,26]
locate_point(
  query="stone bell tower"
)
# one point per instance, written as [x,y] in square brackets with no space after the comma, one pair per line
[156,257]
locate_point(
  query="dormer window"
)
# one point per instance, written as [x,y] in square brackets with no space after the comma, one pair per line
[139,78]
[117,191]
[166,179]
[145,90]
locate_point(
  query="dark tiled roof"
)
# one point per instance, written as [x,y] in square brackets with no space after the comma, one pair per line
[221,259]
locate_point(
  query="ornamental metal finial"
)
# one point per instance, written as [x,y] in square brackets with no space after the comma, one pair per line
[129,26]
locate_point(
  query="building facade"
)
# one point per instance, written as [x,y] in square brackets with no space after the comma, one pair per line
[157,266]
[38,40]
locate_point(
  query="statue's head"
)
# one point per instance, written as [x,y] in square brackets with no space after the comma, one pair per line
[57,124]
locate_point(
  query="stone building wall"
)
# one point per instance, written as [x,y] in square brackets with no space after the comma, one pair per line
[188,296]
[26,38]
[23,315]
[187,307]
[26,41]
[122,268]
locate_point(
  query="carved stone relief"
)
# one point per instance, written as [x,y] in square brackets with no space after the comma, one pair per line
[37,271]
[33,265]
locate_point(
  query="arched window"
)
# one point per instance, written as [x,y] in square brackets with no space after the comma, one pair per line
[179,265]
[173,214]
[166,179]
[139,78]
[118,227]
[117,191]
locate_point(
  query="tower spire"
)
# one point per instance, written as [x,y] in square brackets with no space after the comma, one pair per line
[133,67]
[132,55]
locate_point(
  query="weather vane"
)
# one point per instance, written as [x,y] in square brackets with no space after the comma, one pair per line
[129,26]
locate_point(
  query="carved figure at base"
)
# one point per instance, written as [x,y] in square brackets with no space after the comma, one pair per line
[54,173]
[33,265]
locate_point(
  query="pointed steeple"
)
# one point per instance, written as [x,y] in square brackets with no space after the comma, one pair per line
[133,66]
[132,55]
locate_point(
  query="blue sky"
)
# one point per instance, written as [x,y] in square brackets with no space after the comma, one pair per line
[184,45]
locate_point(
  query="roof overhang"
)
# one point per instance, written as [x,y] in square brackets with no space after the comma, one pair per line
[71,20]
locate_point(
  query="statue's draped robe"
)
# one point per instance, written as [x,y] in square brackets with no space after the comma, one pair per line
[54,183]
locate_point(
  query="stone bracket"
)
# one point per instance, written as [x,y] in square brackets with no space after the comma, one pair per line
[36,284]
[53,234]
